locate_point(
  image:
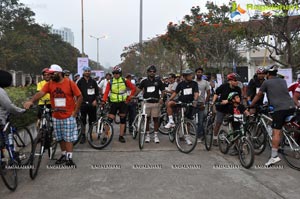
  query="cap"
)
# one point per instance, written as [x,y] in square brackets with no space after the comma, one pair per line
[85,68]
[55,68]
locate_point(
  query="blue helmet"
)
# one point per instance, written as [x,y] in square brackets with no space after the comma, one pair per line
[85,68]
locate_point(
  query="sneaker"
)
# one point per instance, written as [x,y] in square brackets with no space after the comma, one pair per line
[122,139]
[215,142]
[188,141]
[83,139]
[147,139]
[61,160]
[169,125]
[273,161]
[70,163]
[156,140]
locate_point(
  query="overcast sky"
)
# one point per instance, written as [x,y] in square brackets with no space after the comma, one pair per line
[117,19]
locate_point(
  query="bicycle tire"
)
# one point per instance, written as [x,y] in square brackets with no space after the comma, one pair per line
[135,127]
[37,155]
[163,120]
[258,138]
[181,138]
[172,134]
[246,144]
[208,133]
[291,157]
[142,134]
[23,143]
[223,144]
[8,175]
[97,137]
[79,130]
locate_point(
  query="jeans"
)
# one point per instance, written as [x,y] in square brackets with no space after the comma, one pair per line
[200,128]
[131,112]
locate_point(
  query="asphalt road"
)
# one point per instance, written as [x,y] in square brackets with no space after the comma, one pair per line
[159,171]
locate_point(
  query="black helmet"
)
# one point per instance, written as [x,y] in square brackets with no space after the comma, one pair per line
[117,69]
[5,79]
[272,68]
[187,72]
[232,95]
[151,67]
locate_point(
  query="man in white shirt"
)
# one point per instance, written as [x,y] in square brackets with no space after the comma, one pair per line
[103,83]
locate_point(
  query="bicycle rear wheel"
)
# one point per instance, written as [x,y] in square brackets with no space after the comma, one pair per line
[36,156]
[223,143]
[142,133]
[258,138]
[135,127]
[208,132]
[79,130]
[163,120]
[8,171]
[100,134]
[246,153]
[186,136]
[23,143]
[291,156]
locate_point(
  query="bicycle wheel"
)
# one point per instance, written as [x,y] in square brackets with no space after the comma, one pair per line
[52,148]
[291,156]
[172,134]
[135,127]
[258,138]
[208,132]
[36,156]
[8,170]
[23,143]
[163,120]
[223,141]
[186,136]
[246,153]
[100,134]
[79,130]
[142,133]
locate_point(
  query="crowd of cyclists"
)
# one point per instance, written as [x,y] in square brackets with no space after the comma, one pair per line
[67,98]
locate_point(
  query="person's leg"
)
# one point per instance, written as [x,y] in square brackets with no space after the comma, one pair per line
[170,123]
[219,119]
[155,114]
[83,113]
[57,127]
[70,135]
[123,109]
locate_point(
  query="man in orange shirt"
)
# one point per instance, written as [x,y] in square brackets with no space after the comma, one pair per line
[62,92]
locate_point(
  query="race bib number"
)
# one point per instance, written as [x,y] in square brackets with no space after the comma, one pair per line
[91,91]
[238,118]
[150,89]
[60,102]
[188,91]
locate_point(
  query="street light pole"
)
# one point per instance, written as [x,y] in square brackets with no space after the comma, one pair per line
[98,38]
[82,30]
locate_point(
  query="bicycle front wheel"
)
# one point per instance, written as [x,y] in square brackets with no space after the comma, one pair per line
[208,133]
[100,134]
[291,156]
[163,120]
[23,143]
[186,136]
[142,133]
[135,127]
[8,170]
[223,141]
[246,153]
[36,156]
[79,130]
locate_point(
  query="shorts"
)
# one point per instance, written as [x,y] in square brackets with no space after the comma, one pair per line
[153,109]
[122,107]
[65,129]
[90,110]
[220,117]
[279,117]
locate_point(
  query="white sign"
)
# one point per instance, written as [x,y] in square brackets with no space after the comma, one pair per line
[81,62]
[287,73]
[219,80]
[99,73]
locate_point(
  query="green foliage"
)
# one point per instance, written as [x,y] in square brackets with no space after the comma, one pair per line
[18,95]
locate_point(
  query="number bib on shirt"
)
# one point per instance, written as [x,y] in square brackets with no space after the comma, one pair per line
[60,102]
[150,89]
[91,91]
[187,91]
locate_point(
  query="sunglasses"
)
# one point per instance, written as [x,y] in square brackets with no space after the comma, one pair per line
[234,80]
[115,73]
[151,71]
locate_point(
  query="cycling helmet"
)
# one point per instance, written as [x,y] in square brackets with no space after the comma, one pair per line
[232,95]
[187,72]
[45,70]
[232,76]
[117,69]
[66,71]
[272,68]
[85,68]
[260,70]
[151,67]
[76,75]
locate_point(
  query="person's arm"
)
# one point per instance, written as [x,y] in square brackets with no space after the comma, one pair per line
[105,95]
[256,98]
[79,100]
[35,98]
[132,88]
[296,98]
[6,103]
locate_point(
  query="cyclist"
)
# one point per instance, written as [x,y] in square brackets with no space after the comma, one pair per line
[294,85]
[221,95]
[279,98]
[131,106]
[188,92]
[204,89]
[152,87]
[254,85]
[6,106]
[46,78]
[90,93]
[103,83]
[117,87]
[172,84]
[62,92]
[76,77]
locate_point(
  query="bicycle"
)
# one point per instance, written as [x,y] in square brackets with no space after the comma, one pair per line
[185,132]
[16,147]
[44,140]
[79,128]
[101,132]
[236,137]
[208,128]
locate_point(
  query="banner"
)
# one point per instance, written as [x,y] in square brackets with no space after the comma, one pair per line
[287,73]
[81,62]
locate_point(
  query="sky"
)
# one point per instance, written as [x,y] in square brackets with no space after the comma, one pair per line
[118,20]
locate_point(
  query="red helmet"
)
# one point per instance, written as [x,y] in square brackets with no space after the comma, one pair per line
[232,76]
[117,69]
[260,70]
[45,70]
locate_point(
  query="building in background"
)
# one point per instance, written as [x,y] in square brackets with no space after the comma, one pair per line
[66,34]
